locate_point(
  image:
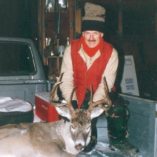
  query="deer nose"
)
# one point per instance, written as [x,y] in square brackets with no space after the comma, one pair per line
[79,147]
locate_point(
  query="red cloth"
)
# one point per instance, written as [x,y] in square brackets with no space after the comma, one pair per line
[85,79]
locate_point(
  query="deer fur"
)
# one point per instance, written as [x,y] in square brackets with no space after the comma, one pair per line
[63,138]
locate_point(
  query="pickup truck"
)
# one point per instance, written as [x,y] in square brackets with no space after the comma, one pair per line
[21,69]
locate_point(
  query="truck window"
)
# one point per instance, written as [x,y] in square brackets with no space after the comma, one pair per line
[16,59]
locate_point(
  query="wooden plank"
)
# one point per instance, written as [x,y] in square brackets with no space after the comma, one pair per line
[78,21]
[71,8]
[41,26]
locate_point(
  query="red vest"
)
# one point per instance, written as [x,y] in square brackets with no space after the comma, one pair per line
[85,79]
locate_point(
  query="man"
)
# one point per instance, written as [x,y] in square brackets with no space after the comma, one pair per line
[86,62]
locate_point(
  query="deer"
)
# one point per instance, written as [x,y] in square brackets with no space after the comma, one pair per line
[66,137]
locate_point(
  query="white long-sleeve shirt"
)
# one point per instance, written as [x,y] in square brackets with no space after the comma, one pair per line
[68,80]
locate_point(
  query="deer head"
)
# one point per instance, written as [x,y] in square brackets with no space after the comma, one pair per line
[80,119]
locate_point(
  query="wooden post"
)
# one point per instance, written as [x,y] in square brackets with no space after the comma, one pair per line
[78,21]
[41,26]
[71,9]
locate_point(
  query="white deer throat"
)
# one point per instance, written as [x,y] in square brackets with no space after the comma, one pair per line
[64,131]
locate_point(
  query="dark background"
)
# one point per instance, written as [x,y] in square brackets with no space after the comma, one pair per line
[131,26]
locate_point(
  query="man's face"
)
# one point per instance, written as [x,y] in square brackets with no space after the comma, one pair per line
[92,38]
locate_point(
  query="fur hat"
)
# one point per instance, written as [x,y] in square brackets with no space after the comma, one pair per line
[94,18]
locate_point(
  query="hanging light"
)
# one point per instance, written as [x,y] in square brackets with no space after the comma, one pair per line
[63,3]
[50,4]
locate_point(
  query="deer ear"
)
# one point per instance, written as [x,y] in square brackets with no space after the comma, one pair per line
[96,111]
[63,111]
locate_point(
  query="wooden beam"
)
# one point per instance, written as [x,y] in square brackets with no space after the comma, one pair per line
[41,26]
[71,9]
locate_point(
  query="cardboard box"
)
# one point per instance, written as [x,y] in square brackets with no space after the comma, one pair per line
[44,109]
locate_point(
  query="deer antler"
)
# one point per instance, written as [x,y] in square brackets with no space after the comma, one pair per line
[69,104]
[53,94]
[55,86]
[106,102]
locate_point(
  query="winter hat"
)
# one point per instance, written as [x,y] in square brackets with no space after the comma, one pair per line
[94,18]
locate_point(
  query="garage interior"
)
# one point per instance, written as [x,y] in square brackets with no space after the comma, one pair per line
[131,26]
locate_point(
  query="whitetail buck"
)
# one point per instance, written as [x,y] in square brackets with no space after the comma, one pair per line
[53,139]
